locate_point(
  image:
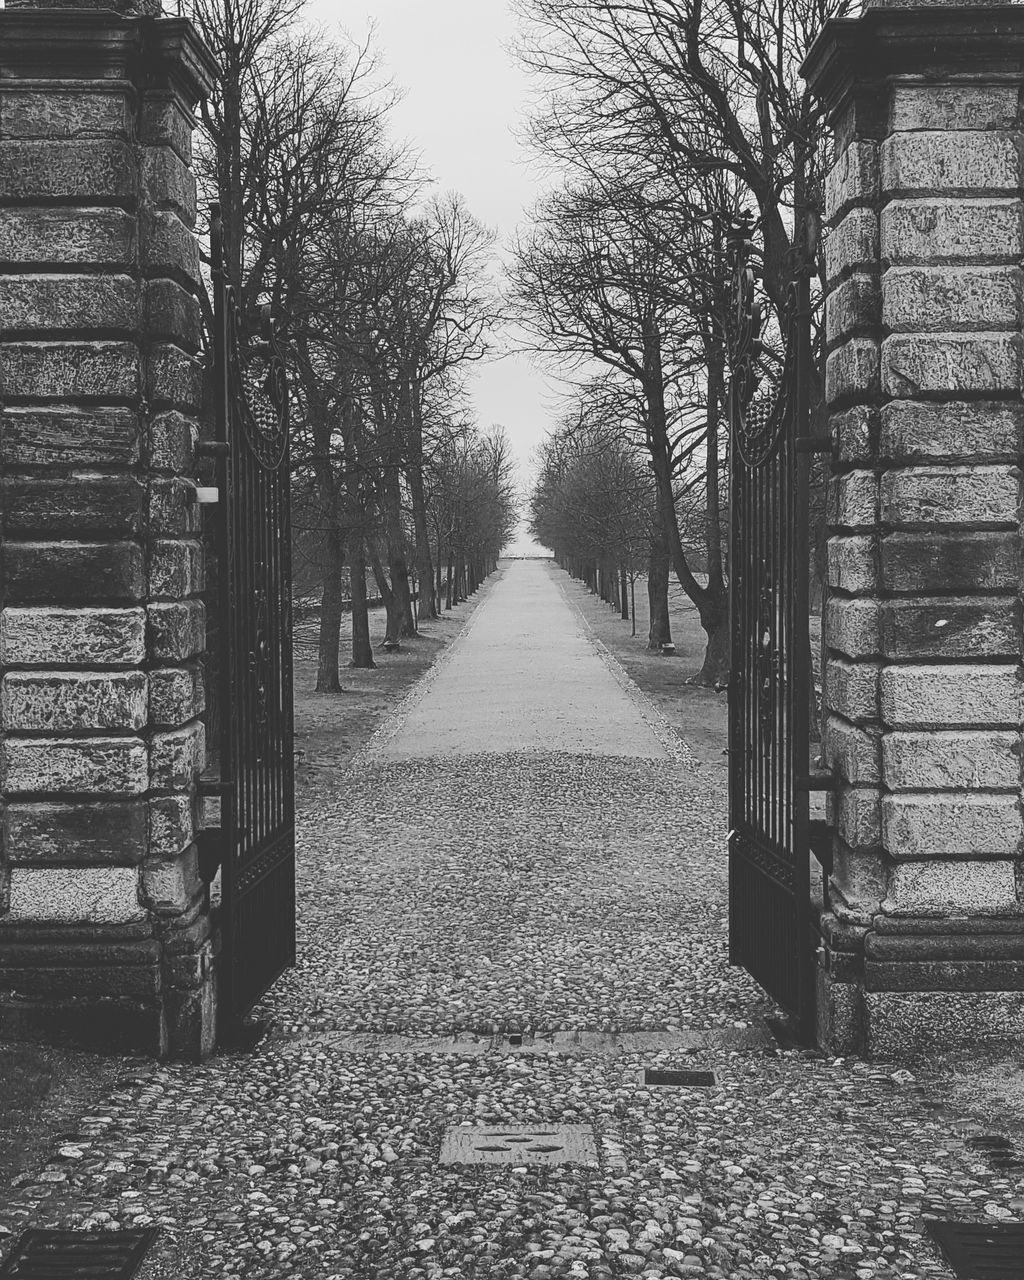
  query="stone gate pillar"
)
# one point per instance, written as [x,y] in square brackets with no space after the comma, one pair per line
[925,941]
[104,922]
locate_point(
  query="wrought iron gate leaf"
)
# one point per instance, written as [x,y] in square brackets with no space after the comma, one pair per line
[770,925]
[249,660]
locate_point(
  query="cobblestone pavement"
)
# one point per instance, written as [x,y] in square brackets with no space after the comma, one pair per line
[560,882]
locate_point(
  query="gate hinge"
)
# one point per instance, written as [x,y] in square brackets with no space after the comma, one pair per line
[209,852]
[815,782]
[213,449]
[213,788]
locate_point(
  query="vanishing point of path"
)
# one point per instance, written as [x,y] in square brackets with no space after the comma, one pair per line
[512,903]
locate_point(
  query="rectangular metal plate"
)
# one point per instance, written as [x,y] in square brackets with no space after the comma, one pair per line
[519,1144]
[78,1255]
[657,1078]
[978,1251]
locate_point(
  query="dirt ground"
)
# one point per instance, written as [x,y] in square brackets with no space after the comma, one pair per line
[697,714]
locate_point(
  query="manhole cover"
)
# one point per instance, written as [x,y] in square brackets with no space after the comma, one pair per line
[657,1078]
[977,1251]
[78,1255]
[519,1144]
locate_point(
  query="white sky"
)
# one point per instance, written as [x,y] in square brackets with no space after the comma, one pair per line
[464,97]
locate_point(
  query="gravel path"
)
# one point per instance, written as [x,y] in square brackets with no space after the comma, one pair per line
[557,878]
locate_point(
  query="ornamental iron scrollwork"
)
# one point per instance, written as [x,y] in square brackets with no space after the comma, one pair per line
[757,424]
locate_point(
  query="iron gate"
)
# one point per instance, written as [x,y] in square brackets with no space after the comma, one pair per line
[249,655]
[771,929]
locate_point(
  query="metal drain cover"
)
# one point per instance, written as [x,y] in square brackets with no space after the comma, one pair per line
[78,1255]
[519,1144]
[658,1078]
[977,1251]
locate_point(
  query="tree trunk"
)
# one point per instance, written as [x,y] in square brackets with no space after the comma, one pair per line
[330,616]
[424,564]
[362,650]
[714,618]
[392,609]
[657,596]
[623,596]
[448,586]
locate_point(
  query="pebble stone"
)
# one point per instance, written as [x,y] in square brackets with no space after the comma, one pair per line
[519,893]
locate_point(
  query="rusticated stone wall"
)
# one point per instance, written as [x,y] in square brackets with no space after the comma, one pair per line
[104,921]
[923,689]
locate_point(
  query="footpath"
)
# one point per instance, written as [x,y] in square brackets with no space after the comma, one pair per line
[512,917]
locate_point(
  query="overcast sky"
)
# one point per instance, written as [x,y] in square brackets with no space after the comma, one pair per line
[465,97]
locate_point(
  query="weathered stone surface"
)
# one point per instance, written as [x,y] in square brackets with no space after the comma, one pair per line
[113,832]
[855,814]
[65,113]
[174,379]
[939,160]
[166,123]
[95,895]
[951,495]
[853,500]
[176,631]
[68,237]
[68,436]
[912,1023]
[853,179]
[852,626]
[172,507]
[971,430]
[986,888]
[852,371]
[952,695]
[99,170]
[177,757]
[78,982]
[854,307]
[48,637]
[856,752]
[972,627]
[916,364]
[170,887]
[947,299]
[854,433]
[176,569]
[169,182]
[172,438]
[965,760]
[73,701]
[851,689]
[945,230]
[953,106]
[74,506]
[173,315]
[108,303]
[66,371]
[169,247]
[852,243]
[952,824]
[72,572]
[852,564]
[176,695]
[74,766]
[959,561]
[171,826]
[859,876]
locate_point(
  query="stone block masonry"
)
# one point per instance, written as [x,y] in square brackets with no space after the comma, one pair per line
[105,932]
[923,680]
